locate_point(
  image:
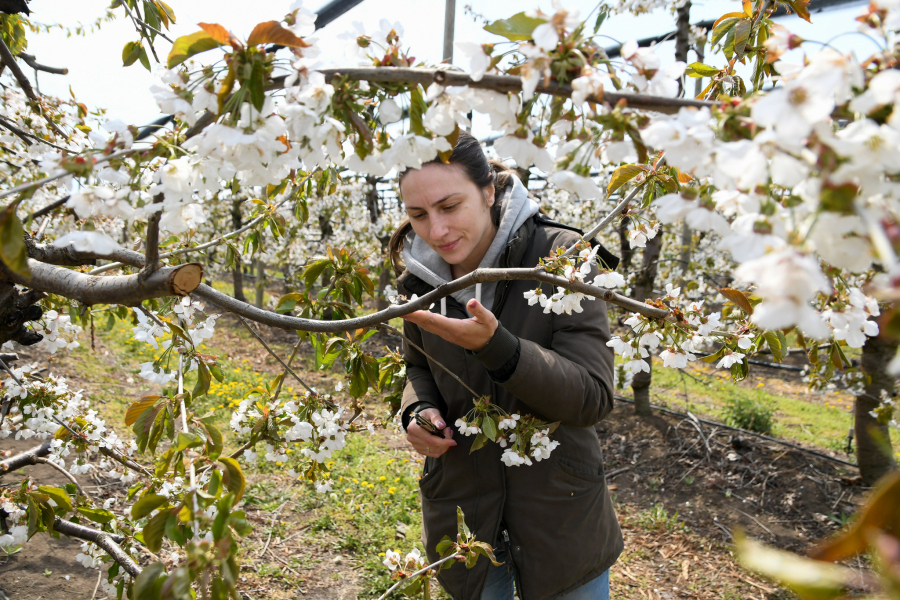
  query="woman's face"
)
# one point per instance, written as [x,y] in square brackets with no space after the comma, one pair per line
[450,213]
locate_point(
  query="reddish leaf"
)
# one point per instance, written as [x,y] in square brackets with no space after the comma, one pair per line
[739,298]
[218,33]
[272,32]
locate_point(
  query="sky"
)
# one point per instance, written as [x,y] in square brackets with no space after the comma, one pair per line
[98,79]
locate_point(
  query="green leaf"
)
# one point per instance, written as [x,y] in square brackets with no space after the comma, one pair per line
[623,175]
[461,528]
[774,344]
[723,28]
[215,443]
[12,241]
[716,356]
[130,53]
[58,495]
[154,530]
[186,440]
[444,545]
[97,515]
[287,302]
[188,45]
[698,69]
[417,108]
[145,60]
[315,270]
[741,35]
[233,477]
[489,426]
[203,380]
[147,584]
[517,28]
[146,505]
[478,443]
[601,16]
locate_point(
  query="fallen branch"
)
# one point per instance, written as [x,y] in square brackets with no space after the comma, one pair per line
[120,289]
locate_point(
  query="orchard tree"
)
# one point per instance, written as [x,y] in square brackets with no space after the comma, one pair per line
[788,198]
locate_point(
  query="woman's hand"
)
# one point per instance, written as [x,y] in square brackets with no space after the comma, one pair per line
[425,443]
[472,334]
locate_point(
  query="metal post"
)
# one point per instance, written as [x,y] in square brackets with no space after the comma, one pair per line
[449,24]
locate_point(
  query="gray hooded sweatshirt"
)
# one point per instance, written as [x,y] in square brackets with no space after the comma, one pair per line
[425,263]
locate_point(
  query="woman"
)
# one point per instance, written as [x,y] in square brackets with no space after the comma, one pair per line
[552,523]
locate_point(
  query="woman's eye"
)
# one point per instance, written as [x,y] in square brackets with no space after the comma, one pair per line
[451,207]
[417,217]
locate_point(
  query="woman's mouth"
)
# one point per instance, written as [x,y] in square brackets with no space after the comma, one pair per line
[449,247]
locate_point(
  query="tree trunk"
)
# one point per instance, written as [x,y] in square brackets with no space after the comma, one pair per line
[683,37]
[643,289]
[873,441]
[625,248]
[384,279]
[236,274]
[260,282]
[687,238]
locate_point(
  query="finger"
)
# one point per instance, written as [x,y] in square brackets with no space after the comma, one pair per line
[448,433]
[477,310]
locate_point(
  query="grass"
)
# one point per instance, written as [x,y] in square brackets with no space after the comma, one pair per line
[823,424]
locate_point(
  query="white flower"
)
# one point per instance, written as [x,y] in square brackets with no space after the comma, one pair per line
[676,359]
[524,152]
[479,58]
[787,281]
[389,111]
[323,487]
[729,359]
[745,341]
[391,560]
[583,187]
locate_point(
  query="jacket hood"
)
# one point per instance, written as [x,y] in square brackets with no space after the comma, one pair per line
[425,263]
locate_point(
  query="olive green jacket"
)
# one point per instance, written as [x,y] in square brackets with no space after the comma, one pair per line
[562,527]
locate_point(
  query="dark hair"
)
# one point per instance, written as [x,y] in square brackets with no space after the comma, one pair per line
[470,159]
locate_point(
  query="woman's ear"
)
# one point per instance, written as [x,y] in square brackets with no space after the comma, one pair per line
[489,195]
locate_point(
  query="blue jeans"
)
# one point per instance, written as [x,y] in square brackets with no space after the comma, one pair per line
[500,583]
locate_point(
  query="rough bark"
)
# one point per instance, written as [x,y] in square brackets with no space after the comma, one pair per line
[236,274]
[126,290]
[260,283]
[687,238]
[108,541]
[873,441]
[16,309]
[24,459]
[683,35]
[643,289]
[625,248]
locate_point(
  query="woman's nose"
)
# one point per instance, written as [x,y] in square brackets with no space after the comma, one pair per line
[438,227]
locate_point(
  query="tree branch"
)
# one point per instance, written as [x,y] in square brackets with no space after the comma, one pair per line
[151,246]
[422,303]
[500,83]
[209,244]
[120,289]
[7,58]
[27,186]
[24,459]
[108,541]
[67,475]
[34,64]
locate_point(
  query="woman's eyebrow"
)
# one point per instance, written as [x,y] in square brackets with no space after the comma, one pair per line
[445,198]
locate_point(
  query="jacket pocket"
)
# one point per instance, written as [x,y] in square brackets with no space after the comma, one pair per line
[432,473]
[581,472]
